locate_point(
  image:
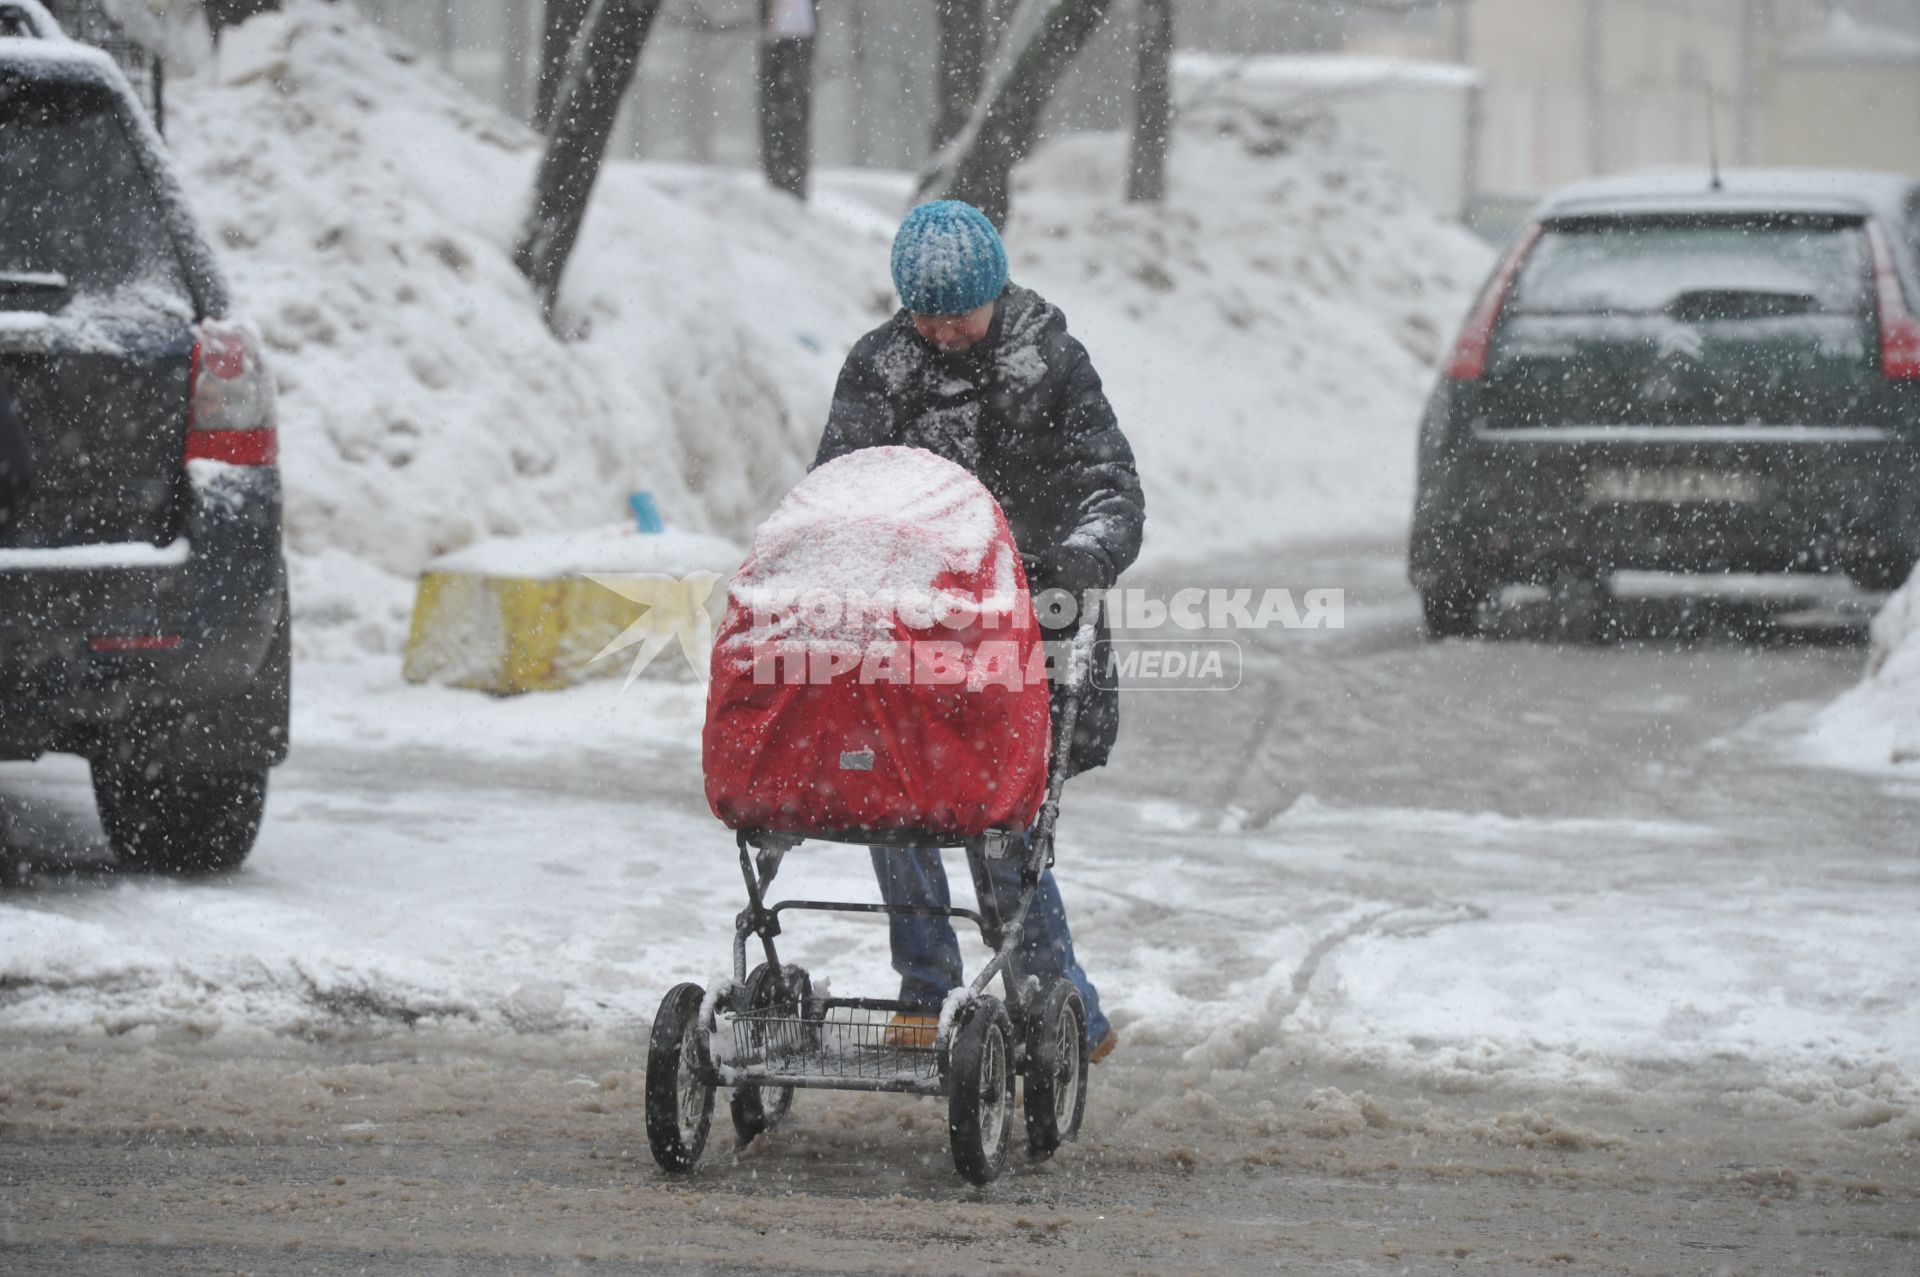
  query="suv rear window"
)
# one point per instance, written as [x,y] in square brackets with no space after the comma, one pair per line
[75,201]
[1697,268]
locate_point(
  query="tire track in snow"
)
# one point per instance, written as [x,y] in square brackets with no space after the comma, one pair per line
[1248,1038]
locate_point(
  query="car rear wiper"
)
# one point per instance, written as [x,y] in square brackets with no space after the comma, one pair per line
[1739,303]
[35,280]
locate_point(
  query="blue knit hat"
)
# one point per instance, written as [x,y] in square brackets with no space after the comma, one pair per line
[948,259]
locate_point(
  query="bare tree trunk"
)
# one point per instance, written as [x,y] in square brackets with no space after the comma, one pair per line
[584,113]
[1153,101]
[786,92]
[978,166]
[963,65]
[560,26]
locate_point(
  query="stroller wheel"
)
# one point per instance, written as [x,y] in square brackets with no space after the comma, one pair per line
[777,1011]
[980,1099]
[1055,1091]
[679,1094]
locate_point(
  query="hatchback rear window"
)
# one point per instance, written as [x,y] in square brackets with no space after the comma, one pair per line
[78,213]
[1699,268]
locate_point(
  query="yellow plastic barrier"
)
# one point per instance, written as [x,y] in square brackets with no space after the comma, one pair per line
[508,634]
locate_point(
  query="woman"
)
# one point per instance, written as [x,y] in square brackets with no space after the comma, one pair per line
[984,373]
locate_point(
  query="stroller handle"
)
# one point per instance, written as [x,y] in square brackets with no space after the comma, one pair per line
[1079,675]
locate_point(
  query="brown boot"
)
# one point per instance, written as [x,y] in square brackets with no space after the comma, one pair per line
[910,1028]
[1103,1048]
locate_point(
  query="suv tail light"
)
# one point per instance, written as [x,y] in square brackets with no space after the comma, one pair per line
[1469,360]
[1899,330]
[230,412]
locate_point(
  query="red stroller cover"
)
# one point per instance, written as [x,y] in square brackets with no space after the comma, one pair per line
[880,666]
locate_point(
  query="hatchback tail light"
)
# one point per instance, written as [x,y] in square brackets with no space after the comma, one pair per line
[1469,359]
[230,412]
[1899,330]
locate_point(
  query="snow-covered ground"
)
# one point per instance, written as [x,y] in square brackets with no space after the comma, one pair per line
[546,865]
[448,854]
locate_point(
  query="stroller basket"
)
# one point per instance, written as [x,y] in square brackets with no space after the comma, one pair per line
[849,1044]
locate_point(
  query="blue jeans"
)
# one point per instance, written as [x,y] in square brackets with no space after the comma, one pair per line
[926,952]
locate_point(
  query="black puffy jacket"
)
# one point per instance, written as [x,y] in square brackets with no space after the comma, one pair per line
[1024,411]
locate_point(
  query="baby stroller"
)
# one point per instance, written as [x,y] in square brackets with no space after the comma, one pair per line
[765,1033]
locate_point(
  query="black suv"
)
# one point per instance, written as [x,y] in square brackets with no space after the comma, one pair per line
[1676,374]
[143,605]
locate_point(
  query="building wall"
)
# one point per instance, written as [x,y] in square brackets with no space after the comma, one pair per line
[1846,116]
[1578,87]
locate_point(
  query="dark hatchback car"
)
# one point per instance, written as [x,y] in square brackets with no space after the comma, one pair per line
[143,608]
[1663,374]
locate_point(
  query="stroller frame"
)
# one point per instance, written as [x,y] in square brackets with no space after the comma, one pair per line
[765,1034]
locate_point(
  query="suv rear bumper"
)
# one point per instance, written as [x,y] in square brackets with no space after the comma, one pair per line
[98,640]
[1523,505]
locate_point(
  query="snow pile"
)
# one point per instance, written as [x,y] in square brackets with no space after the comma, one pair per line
[1267,335]
[1876,725]
[366,209]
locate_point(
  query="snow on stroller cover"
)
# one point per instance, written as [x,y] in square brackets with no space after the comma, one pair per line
[879,666]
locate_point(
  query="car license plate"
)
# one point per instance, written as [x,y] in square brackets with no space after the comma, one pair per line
[1671,486]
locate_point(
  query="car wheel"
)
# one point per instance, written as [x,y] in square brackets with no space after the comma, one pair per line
[168,820]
